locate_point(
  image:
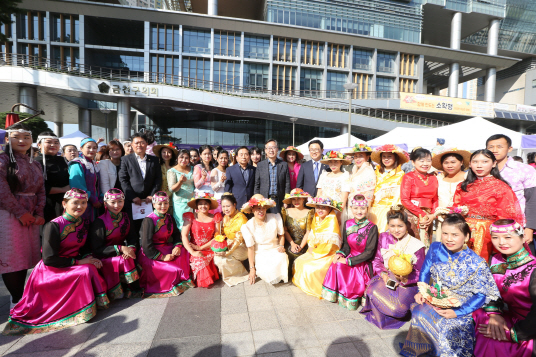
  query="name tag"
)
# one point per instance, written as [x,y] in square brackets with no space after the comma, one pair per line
[416,203]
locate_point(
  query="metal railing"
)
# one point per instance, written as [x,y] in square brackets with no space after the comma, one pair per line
[320,99]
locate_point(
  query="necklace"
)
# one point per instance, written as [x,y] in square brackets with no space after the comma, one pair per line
[423,180]
[452,264]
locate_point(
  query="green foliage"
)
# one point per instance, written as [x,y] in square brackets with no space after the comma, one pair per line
[36,125]
[8,7]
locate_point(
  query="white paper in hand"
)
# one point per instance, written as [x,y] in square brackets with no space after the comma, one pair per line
[141,211]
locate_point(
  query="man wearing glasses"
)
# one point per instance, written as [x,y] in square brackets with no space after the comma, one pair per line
[311,170]
[272,179]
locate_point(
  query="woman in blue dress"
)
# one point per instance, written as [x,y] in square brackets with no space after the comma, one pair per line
[450,332]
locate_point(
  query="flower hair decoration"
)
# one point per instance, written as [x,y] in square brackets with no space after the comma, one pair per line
[332,154]
[72,194]
[361,148]
[325,202]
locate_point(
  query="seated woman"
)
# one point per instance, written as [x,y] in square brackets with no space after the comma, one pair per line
[163,261]
[230,262]
[389,296]
[201,227]
[107,236]
[351,271]
[64,289]
[264,237]
[512,332]
[440,331]
[324,240]
[297,220]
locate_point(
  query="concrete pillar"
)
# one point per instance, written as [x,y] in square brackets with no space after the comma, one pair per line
[491,73]
[454,78]
[58,129]
[123,119]
[28,96]
[344,129]
[455,40]
[212,7]
[84,121]
[491,78]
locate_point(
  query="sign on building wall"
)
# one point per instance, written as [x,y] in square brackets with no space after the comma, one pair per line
[526,109]
[436,104]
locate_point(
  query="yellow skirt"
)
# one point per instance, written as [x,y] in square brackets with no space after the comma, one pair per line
[311,268]
[378,215]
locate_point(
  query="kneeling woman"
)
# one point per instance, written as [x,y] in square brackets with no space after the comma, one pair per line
[107,236]
[351,271]
[264,237]
[64,289]
[389,296]
[324,240]
[163,261]
[512,332]
[456,270]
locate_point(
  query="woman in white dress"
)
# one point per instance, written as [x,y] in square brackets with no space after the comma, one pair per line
[335,184]
[362,177]
[217,176]
[264,236]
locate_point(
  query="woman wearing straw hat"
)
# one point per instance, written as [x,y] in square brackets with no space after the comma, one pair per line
[335,184]
[201,227]
[292,156]
[264,237]
[388,180]
[324,240]
[362,177]
[168,154]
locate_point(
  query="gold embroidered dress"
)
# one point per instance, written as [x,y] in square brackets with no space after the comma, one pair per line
[231,268]
[297,227]
[386,194]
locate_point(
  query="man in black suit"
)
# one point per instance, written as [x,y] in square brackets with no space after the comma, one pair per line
[241,178]
[272,179]
[140,176]
[311,170]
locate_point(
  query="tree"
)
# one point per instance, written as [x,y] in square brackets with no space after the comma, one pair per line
[8,7]
[36,125]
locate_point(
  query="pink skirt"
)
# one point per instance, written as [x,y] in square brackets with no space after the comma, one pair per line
[346,284]
[164,279]
[56,298]
[117,270]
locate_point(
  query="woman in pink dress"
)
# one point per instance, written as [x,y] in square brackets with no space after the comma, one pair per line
[64,289]
[292,156]
[163,261]
[197,234]
[107,235]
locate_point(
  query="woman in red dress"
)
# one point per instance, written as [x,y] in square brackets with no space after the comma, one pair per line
[198,233]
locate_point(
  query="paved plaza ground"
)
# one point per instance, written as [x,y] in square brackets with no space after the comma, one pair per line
[245,320]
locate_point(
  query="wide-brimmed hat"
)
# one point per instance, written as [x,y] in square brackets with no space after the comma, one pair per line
[283,153]
[296,193]
[257,200]
[203,196]
[170,146]
[436,158]
[403,156]
[358,148]
[334,155]
[328,202]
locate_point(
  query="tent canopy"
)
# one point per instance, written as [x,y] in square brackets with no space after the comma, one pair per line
[528,142]
[412,137]
[73,139]
[336,143]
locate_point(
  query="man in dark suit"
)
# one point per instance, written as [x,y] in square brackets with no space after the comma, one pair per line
[311,170]
[140,176]
[272,179]
[241,178]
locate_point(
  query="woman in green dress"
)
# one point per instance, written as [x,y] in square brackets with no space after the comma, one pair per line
[181,183]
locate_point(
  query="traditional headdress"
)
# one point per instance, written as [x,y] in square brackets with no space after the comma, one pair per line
[257,200]
[295,193]
[513,227]
[85,141]
[358,148]
[160,198]
[403,156]
[334,155]
[39,139]
[321,201]
[108,196]
[283,153]
[203,196]
[22,131]
[72,194]
[359,203]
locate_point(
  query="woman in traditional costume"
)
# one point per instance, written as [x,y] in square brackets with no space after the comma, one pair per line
[84,174]
[264,237]
[167,153]
[418,194]
[324,240]
[181,184]
[362,177]
[292,156]
[390,294]
[21,210]
[488,198]
[230,262]
[334,184]
[441,319]
[509,332]
[388,180]
[349,274]
[64,289]
[163,261]
[114,241]
[198,232]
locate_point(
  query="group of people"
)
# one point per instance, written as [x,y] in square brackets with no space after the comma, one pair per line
[349,227]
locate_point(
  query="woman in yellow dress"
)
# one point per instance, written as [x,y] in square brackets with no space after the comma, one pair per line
[388,180]
[230,262]
[324,240]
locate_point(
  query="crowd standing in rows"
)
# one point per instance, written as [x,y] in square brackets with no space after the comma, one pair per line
[353,228]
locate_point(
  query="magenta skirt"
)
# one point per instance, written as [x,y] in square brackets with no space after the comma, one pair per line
[346,284]
[118,270]
[164,279]
[491,348]
[56,298]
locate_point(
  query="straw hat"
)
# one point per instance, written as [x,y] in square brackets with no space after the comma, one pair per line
[334,155]
[436,158]
[257,200]
[295,193]
[170,146]
[203,196]
[283,153]
[403,156]
[328,202]
[358,148]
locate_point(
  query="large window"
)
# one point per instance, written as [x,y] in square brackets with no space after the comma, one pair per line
[408,64]
[227,43]
[165,37]
[312,52]
[285,49]
[31,26]
[335,88]
[338,55]
[165,69]
[283,79]
[196,72]
[256,76]
[196,41]
[65,56]
[384,87]
[257,47]
[386,62]
[364,82]
[65,28]
[362,59]
[311,83]
[115,60]
[226,75]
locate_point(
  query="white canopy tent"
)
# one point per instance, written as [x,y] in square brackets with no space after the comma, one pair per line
[412,137]
[336,143]
[73,139]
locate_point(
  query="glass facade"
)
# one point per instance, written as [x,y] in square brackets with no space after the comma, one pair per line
[165,37]
[256,76]
[196,41]
[362,59]
[226,75]
[311,82]
[165,68]
[386,62]
[196,72]
[115,60]
[227,43]
[66,56]
[257,47]
[384,87]
[312,53]
[285,50]
[284,79]
[338,56]
[65,28]
[335,83]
